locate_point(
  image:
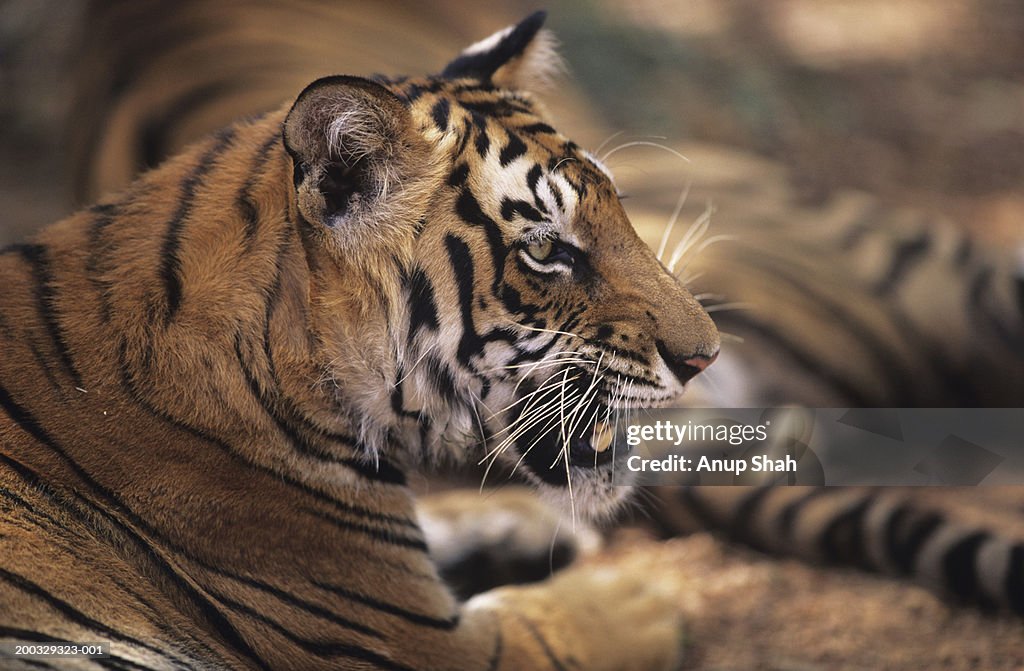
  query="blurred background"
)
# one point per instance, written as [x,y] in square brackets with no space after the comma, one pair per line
[920,102]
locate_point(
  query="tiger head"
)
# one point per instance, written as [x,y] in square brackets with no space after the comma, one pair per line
[495,295]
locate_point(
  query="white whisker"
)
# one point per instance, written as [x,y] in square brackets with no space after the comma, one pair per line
[718,307]
[642,143]
[672,220]
[707,243]
[694,233]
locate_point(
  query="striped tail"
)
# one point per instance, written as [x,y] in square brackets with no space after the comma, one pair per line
[965,553]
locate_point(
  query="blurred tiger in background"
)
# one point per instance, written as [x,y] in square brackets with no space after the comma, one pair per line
[854,304]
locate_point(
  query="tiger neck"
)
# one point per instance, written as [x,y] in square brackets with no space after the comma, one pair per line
[186,367]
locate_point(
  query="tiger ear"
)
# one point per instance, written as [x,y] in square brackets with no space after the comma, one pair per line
[520,57]
[348,138]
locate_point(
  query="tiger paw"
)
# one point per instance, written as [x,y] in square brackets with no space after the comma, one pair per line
[480,541]
[614,613]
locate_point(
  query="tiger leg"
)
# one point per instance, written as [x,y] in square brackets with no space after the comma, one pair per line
[482,540]
[620,613]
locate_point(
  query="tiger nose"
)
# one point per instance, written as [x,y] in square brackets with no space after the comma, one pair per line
[686,367]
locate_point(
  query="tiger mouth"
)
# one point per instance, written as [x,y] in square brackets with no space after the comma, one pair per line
[546,449]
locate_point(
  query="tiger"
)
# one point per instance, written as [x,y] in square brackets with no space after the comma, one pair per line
[906,546]
[214,384]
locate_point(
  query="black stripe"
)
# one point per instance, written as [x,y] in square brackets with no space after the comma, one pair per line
[891,366]
[545,647]
[27,505]
[842,539]
[499,649]
[320,648]
[414,90]
[376,468]
[42,277]
[1019,285]
[483,140]
[741,526]
[106,215]
[459,175]
[510,207]
[905,255]
[464,136]
[906,532]
[122,664]
[381,471]
[27,635]
[316,647]
[441,378]
[468,208]
[43,363]
[619,353]
[537,128]
[791,511]
[496,108]
[440,112]
[246,206]
[443,623]
[1015,579]
[68,611]
[462,267]
[511,151]
[292,600]
[532,179]
[311,608]
[839,383]
[556,190]
[383,535]
[690,498]
[422,306]
[979,296]
[29,424]
[960,569]
[398,396]
[170,263]
[322,497]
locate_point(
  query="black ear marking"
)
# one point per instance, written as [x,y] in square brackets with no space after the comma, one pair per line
[483,64]
[338,184]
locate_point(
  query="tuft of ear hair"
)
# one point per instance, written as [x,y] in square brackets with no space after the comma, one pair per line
[520,57]
[346,136]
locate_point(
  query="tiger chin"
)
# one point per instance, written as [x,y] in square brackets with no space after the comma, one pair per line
[213,384]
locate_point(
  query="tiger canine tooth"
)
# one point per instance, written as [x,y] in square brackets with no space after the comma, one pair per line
[602,437]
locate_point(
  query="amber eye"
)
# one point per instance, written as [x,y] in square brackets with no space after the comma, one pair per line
[540,250]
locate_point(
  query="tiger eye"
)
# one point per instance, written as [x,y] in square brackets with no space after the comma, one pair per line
[540,250]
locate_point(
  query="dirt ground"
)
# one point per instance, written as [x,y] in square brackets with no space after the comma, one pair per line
[748,611]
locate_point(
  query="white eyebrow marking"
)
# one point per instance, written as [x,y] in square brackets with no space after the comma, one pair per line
[600,166]
[547,186]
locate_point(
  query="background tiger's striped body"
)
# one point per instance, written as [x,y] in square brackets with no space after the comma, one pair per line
[839,300]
